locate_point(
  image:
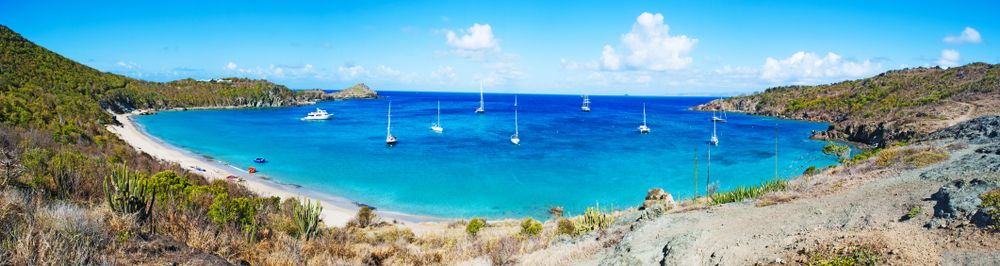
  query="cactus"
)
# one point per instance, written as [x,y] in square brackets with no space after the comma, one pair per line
[595,218]
[307,219]
[127,194]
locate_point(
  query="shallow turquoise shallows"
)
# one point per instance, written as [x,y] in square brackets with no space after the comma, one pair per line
[567,157]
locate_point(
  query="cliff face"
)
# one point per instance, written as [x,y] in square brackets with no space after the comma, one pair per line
[894,106]
[358,91]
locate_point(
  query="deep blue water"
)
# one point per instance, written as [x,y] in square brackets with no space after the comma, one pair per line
[566,158]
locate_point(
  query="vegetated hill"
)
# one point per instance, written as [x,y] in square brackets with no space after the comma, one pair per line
[894,106]
[358,91]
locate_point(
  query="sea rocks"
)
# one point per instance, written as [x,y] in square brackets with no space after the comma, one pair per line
[358,91]
[657,196]
[556,211]
[959,200]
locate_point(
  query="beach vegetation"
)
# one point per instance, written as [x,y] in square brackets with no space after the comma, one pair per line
[913,212]
[474,226]
[839,151]
[307,219]
[594,218]
[531,228]
[566,227]
[749,192]
[812,170]
[127,193]
[850,256]
[365,218]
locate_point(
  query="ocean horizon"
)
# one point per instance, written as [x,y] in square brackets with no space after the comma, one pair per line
[567,158]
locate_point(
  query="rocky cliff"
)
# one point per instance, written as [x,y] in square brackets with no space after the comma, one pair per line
[894,106]
[358,91]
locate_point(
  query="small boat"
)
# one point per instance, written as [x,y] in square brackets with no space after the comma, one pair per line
[260,160]
[319,114]
[389,138]
[715,139]
[586,104]
[437,126]
[643,128]
[482,105]
[515,139]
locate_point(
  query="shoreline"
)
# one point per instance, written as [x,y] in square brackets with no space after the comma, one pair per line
[337,211]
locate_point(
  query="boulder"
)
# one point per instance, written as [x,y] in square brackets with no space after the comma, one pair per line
[658,196]
[960,200]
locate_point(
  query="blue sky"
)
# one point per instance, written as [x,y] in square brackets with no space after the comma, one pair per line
[596,47]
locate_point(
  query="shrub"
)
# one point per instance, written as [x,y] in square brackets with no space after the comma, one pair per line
[810,171]
[992,199]
[502,251]
[850,256]
[925,158]
[747,192]
[841,152]
[531,228]
[366,217]
[913,212]
[474,225]
[566,227]
[242,211]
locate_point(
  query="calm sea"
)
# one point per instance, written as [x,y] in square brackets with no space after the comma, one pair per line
[566,158]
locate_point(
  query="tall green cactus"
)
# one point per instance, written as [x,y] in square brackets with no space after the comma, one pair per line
[307,219]
[127,194]
[596,218]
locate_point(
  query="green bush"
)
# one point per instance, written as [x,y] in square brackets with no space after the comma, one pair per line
[307,219]
[531,228]
[366,217]
[474,225]
[851,256]
[992,199]
[748,192]
[811,171]
[913,212]
[841,152]
[128,193]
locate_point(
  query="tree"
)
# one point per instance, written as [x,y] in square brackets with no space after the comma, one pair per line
[839,151]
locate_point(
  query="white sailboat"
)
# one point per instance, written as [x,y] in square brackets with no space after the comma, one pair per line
[643,128]
[482,105]
[716,117]
[389,138]
[586,104]
[715,139]
[437,126]
[515,139]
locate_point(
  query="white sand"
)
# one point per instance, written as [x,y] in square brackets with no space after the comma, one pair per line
[336,211]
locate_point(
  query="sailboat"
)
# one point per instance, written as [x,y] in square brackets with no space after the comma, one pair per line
[586,104]
[389,138]
[715,139]
[437,126]
[643,128]
[515,139]
[717,118]
[482,105]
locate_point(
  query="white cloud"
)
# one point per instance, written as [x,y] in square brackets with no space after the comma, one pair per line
[479,37]
[949,58]
[969,35]
[808,68]
[352,72]
[649,46]
[444,74]
[127,65]
[231,66]
[610,59]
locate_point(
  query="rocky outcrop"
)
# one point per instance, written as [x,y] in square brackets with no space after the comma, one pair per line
[358,91]
[959,201]
[980,130]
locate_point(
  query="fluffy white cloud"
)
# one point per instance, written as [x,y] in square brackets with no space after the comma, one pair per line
[949,58]
[969,35]
[649,46]
[444,74]
[231,66]
[479,37]
[807,67]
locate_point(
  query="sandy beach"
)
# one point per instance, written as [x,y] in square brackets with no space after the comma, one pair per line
[337,211]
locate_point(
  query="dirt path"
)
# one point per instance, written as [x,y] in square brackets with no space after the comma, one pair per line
[969,114]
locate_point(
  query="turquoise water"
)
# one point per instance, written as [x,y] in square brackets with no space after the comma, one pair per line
[566,158]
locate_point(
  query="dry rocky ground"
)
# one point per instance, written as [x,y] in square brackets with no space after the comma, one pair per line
[858,208]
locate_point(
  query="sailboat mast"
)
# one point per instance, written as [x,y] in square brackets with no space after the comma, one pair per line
[643,114]
[439,113]
[515,115]
[481,105]
[388,127]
